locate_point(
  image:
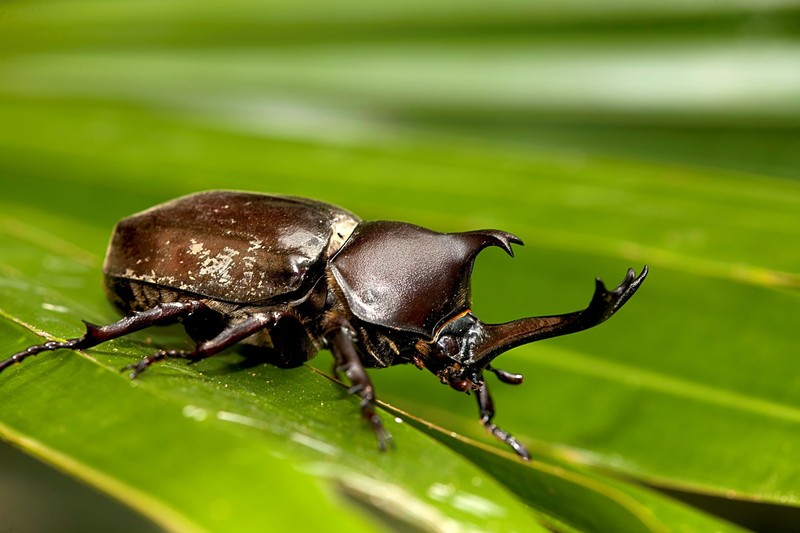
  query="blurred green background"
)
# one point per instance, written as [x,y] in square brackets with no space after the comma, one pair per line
[604,135]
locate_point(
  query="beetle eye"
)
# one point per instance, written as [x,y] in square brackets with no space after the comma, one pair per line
[448,346]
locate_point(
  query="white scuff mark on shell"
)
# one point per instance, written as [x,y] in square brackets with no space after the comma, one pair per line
[196,248]
[250,260]
[249,273]
[150,277]
[219,266]
[255,244]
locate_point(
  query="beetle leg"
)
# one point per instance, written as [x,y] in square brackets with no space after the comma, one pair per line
[161,314]
[506,377]
[229,336]
[347,360]
[486,408]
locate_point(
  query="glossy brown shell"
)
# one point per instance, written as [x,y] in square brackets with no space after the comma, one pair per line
[406,277]
[231,246]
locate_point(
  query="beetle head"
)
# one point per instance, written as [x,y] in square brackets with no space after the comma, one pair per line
[464,347]
[455,354]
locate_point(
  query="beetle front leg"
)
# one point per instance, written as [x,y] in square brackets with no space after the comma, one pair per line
[347,360]
[165,313]
[486,408]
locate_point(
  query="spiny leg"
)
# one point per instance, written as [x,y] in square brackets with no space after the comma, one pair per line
[161,314]
[347,360]
[228,337]
[486,408]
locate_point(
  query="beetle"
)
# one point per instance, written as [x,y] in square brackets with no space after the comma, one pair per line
[289,276]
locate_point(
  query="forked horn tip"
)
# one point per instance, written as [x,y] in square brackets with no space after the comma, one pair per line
[507,239]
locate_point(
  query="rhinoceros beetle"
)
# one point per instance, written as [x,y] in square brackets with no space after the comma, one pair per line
[289,276]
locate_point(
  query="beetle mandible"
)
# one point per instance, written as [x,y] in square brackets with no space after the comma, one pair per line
[291,276]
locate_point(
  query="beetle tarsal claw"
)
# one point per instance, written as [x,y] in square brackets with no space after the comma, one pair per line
[137,368]
[385,439]
[508,438]
[355,389]
[144,363]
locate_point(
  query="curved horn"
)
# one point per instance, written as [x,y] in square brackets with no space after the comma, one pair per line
[480,239]
[499,338]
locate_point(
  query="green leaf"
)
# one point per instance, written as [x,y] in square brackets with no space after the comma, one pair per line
[43,282]
[546,121]
[556,485]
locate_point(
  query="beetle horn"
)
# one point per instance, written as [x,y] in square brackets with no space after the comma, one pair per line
[478,240]
[499,338]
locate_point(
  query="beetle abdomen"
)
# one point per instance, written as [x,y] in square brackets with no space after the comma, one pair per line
[230,246]
[131,296]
